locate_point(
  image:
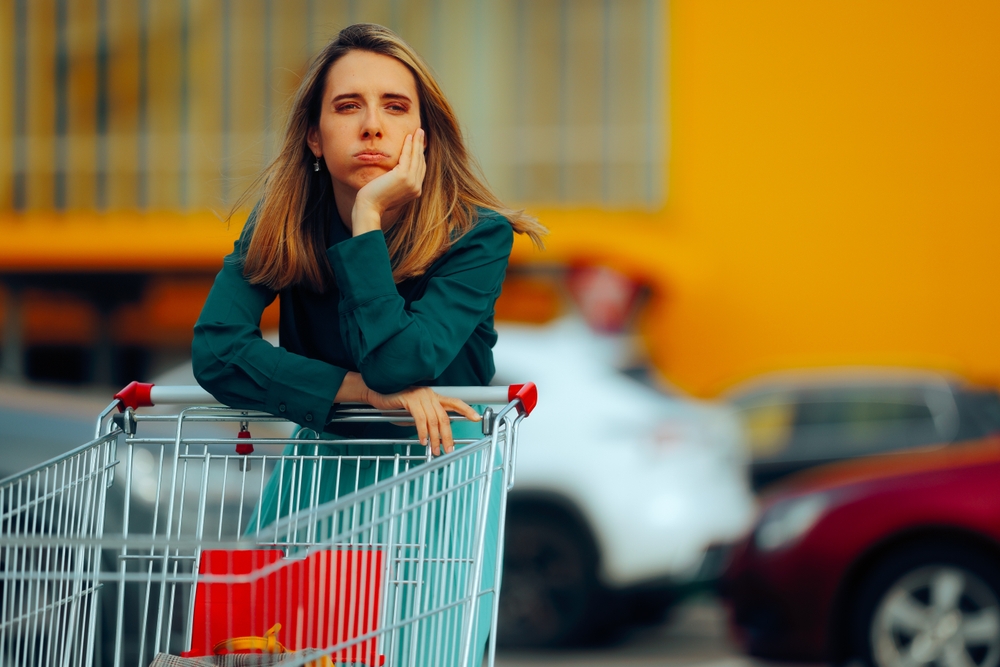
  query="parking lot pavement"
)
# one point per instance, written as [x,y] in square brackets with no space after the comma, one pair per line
[39,423]
[695,634]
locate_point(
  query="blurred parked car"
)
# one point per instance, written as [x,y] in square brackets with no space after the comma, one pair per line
[798,420]
[891,559]
[620,487]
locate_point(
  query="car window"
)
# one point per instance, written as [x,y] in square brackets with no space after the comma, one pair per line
[767,423]
[979,413]
[846,422]
[796,424]
[646,375]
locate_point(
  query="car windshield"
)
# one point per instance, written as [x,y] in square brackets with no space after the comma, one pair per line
[980,413]
[831,423]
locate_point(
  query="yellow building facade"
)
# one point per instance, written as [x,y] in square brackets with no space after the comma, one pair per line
[824,175]
[833,193]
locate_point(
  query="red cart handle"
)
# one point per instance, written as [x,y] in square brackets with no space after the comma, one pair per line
[136,395]
[527,393]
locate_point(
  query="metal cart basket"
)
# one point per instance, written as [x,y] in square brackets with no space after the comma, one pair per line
[201,534]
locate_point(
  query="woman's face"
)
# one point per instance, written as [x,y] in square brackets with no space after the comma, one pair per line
[370,105]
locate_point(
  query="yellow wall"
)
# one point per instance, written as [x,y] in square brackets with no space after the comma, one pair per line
[833,194]
[834,190]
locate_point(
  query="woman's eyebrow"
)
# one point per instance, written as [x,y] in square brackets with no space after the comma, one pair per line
[385,96]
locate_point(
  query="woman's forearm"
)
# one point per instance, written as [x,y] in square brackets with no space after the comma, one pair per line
[352,389]
[397,345]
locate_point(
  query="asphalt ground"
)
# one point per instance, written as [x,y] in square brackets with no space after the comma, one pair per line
[38,423]
[694,634]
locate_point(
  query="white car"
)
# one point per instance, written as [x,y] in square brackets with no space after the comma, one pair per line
[620,487]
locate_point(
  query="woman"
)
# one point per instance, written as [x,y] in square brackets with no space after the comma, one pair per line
[386,249]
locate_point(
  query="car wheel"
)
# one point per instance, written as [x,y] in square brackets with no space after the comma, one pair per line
[549,587]
[932,604]
[646,607]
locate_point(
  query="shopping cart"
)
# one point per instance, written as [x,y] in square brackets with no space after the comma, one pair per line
[239,539]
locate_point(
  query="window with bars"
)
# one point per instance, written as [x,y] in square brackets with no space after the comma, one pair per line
[178,104]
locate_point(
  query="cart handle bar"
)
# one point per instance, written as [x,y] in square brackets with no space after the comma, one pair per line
[145,394]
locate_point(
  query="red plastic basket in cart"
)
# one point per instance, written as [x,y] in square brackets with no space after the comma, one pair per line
[328,598]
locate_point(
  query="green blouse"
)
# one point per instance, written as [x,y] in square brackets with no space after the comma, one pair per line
[435,329]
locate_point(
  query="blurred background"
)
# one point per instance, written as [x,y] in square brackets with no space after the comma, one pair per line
[754,207]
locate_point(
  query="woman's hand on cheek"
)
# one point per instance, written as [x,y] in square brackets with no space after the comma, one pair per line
[392,189]
[430,414]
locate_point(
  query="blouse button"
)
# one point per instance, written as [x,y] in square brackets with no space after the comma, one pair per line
[281,407]
[309,417]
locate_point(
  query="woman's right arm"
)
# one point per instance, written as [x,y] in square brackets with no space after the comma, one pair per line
[239,368]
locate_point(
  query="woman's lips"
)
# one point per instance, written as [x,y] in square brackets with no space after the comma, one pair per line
[371,156]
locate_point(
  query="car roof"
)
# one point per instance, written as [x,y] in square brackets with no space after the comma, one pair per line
[860,377]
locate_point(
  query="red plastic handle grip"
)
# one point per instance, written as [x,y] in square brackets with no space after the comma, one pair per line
[136,395]
[527,393]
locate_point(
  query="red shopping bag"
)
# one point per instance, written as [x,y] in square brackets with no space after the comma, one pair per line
[324,599]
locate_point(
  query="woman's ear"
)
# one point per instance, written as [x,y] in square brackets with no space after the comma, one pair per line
[312,140]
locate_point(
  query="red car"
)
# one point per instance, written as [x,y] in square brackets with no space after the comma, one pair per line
[893,560]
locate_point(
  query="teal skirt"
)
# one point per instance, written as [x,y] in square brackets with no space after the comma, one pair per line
[306,479]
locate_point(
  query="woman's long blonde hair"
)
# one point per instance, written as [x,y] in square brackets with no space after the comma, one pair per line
[288,247]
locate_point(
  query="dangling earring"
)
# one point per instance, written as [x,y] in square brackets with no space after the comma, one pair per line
[316,165]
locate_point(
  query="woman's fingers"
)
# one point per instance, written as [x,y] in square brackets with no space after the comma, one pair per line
[417,155]
[415,165]
[430,415]
[416,410]
[410,158]
[433,424]
[462,408]
[447,441]
[406,155]
[438,422]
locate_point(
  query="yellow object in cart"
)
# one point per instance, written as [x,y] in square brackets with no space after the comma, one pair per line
[267,644]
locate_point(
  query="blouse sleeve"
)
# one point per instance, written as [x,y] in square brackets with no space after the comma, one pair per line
[396,347]
[238,367]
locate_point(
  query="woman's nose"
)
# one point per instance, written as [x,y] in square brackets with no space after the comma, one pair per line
[371,128]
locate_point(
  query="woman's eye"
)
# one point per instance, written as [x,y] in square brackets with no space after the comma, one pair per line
[350,106]
[401,108]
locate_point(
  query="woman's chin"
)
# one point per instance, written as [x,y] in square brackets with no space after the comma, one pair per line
[358,178]
[368,173]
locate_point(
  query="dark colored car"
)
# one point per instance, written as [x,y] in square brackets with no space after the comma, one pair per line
[795,421]
[894,560]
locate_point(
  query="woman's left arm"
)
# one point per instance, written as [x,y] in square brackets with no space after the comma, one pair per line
[395,347]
